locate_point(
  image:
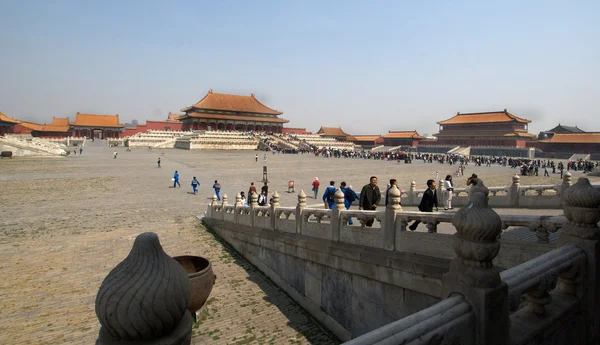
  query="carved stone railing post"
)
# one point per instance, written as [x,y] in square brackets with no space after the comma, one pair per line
[472,272]
[224,200]
[432,226]
[515,189]
[301,205]
[211,207]
[236,207]
[566,183]
[273,212]
[144,299]
[253,204]
[412,194]
[581,204]
[336,215]
[392,209]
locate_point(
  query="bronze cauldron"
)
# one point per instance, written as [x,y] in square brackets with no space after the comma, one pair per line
[6,154]
[202,279]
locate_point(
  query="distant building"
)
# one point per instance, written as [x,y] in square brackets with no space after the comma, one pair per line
[59,127]
[97,126]
[402,138]
[7,124]
[367,141]
[231,112]
[496,128]
[559,129]
[579,142]
[334,132]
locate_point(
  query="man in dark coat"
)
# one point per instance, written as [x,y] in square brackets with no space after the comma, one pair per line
[369,198]
[428,201]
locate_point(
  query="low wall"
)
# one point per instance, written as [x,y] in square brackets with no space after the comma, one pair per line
[389,286]
[353,279]
[349,288]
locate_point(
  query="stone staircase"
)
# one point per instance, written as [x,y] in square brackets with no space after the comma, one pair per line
[579,156]
[24,146]
[283,143]
[461,150]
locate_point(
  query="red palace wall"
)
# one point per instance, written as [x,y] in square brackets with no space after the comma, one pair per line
[294,130]
[21,130]
[131,131]
[161,125]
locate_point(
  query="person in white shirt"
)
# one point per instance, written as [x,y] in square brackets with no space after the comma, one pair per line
[448,191]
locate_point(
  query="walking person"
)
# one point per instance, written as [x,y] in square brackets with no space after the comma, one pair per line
[256,157]
[349,197]
[195,184]
[329,196]
[370,195]
[262,198]
[80,150]
[449,187]
[252,188]
[158,162]
[315,186]
[217,187]
[428,201]
[176,179]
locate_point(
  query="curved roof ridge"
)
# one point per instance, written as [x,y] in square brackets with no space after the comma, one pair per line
[231,102]
[483,117]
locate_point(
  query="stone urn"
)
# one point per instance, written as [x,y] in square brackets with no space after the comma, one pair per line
[202,279]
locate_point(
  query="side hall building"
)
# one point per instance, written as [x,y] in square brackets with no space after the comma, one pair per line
[496,128]
[219,111]
[97,126]
[7,124]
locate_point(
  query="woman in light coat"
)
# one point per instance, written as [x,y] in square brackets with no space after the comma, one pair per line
[448,191]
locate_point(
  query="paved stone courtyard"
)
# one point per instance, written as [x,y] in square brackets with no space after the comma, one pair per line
[66,222]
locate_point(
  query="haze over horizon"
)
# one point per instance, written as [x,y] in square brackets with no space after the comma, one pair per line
[367,67]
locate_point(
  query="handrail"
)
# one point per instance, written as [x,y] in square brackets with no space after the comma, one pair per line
[528,275]
[443,316]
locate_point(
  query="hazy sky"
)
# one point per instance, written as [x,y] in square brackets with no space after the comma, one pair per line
[367,66]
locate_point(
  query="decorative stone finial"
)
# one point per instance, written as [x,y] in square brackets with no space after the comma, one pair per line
[214,200]
[275,199]
[253,199]
[394,196]
[581,204]
[302,199]
[224,199]
[338,198]
[144,299]
[238,200]
[516,179]
[475,242]
[413,185]
[566,183]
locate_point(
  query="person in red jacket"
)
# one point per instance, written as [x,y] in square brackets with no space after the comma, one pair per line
[315,186]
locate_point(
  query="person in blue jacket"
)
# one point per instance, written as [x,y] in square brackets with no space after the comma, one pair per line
[217,188]
[349,197]
[176,179]
[328,196]
[195,184]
